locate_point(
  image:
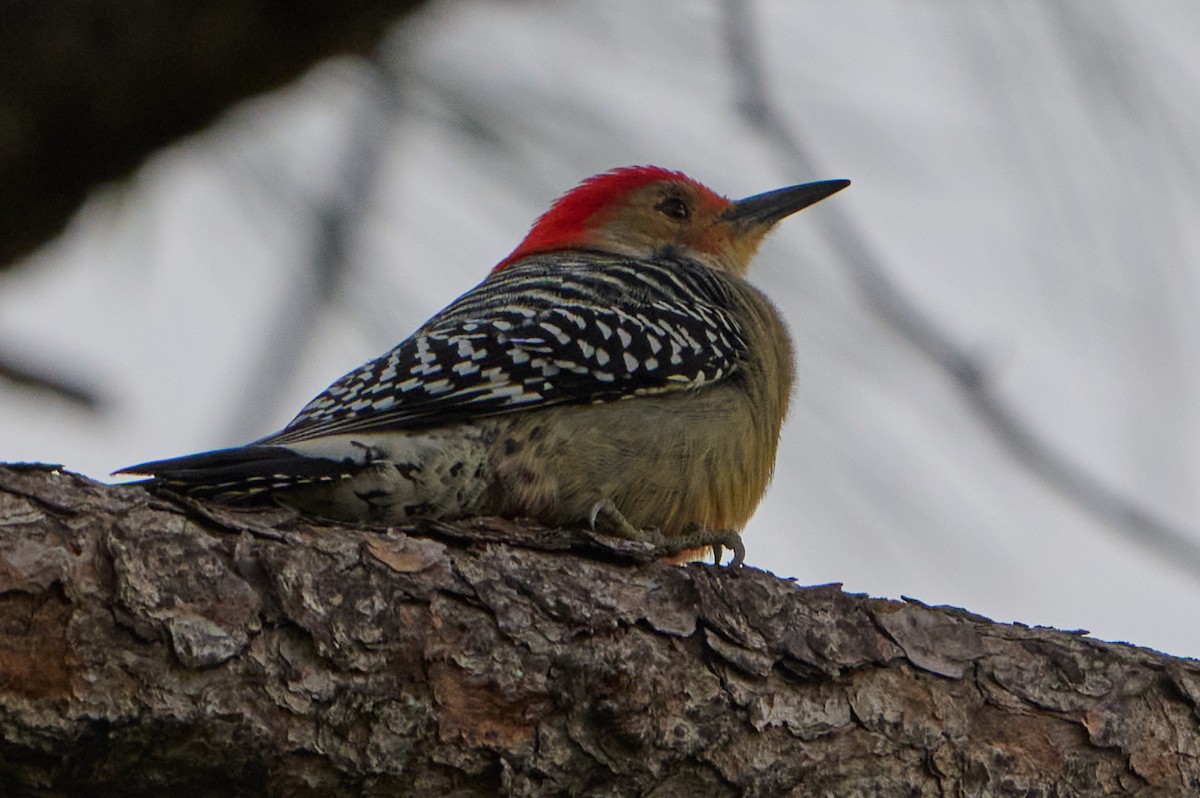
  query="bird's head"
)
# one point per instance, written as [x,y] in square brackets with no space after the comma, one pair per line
[645,211]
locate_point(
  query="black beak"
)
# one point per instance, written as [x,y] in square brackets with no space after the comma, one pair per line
[769,208]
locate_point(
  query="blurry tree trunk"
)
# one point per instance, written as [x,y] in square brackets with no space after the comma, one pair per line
[89,88]
[154,649]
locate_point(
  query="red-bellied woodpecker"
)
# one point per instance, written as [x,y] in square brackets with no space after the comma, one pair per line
[616,368]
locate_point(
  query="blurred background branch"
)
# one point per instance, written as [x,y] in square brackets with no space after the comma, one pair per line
[20,372]
[335,220]
[969,374]
[89,89]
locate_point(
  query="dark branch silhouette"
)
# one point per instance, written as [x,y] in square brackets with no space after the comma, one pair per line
[17,371]
[89,89]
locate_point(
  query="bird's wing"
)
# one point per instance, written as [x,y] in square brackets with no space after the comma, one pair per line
[486,355]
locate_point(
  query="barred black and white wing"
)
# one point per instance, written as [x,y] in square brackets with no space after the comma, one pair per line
[555,329]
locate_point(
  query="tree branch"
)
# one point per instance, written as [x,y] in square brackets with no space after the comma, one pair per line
[89,89]
[156,648]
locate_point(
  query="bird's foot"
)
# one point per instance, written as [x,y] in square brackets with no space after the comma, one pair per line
[696,536]
[606,519]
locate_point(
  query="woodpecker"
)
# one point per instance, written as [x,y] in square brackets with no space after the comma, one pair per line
[616,369]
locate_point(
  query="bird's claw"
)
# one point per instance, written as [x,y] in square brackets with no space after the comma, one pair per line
[696,536]
[605,518]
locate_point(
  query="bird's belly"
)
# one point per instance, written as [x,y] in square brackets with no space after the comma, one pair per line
[664,462]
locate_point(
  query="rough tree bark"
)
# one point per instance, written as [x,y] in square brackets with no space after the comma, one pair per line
[150,648]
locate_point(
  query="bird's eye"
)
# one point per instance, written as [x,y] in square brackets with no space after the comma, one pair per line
[673,207]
